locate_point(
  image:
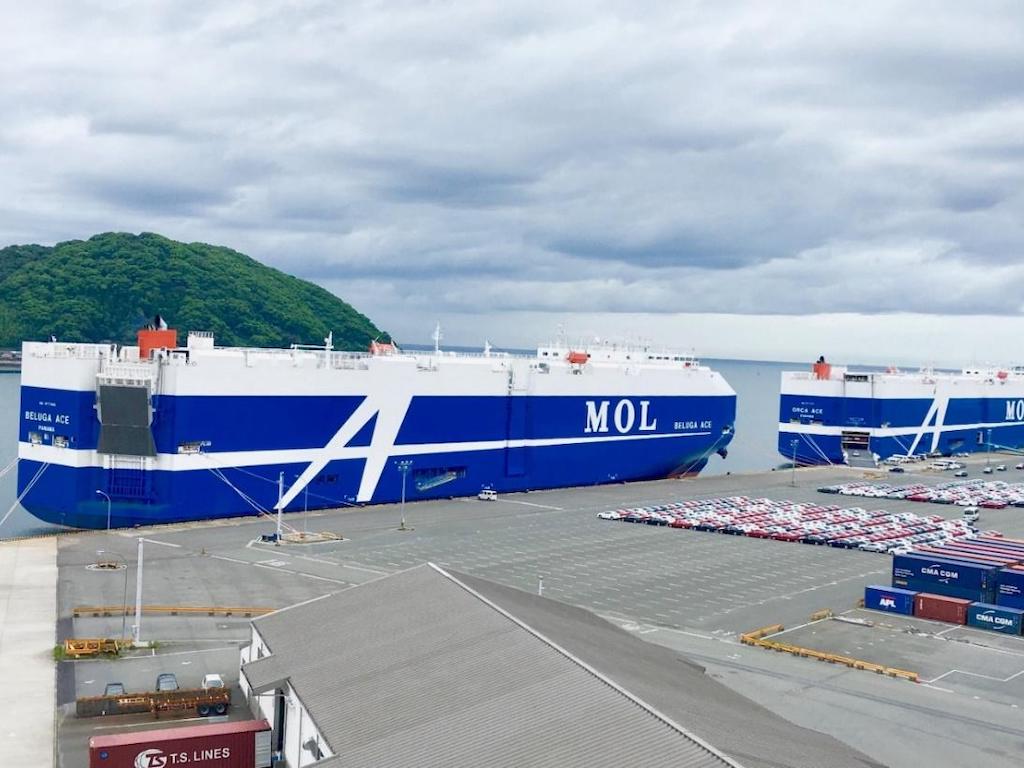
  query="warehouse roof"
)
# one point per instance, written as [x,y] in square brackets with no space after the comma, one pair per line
[435,668]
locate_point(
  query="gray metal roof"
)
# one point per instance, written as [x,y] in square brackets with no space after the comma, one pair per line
[434,668]
[415,669]
[741,728]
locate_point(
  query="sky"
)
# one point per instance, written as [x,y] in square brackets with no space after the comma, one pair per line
[745,179]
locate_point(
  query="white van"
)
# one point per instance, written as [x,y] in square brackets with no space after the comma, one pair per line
[487,494]
[971,514]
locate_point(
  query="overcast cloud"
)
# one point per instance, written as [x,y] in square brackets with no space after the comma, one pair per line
[505,168]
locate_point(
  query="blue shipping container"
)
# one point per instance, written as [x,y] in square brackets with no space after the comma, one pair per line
[891,599]
[1010,591]
[995,617]
[933,588]
[941,575]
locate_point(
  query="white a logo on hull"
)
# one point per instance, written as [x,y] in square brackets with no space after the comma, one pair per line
[624,416]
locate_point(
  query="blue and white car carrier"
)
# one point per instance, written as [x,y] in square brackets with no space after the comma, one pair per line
[171,433]
[830,413]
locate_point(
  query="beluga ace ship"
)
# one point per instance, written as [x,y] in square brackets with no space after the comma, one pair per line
[833,414]
[159,433]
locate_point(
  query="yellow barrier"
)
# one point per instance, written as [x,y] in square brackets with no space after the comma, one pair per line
[824,613]
[172,610]
[78,647]
[757,637]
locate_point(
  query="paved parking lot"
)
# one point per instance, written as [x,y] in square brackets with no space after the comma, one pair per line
[973,662]
[660,582]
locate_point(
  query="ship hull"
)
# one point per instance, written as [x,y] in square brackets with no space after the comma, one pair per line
[226,441]
[880,415]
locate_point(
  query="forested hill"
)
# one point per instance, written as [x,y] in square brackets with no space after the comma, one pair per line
[107,287]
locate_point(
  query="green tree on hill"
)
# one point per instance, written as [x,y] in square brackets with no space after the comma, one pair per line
[105,288]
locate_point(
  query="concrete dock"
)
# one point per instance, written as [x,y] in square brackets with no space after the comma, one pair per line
[28,617]
[691,591]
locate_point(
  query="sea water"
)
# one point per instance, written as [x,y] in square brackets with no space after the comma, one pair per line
[754,449]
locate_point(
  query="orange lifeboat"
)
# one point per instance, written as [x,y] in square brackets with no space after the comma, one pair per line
[577,358]
[1002,375]
[382,348]
[822,371]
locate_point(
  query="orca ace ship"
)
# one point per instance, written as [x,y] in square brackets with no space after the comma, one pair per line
[831,414]
[169,433]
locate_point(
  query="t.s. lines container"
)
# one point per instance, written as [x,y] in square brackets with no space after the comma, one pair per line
[242,744]
[891,599]
[941,608]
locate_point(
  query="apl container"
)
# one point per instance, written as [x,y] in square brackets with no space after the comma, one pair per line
[941,608]
[1010,588]
[891,599]
[945,576]
[995,617]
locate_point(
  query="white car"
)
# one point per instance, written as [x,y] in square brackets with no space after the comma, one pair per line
[487,494]
[212,680]
[608,515]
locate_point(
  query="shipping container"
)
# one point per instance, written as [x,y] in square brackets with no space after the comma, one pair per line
[968,555]
[971,595]
[945,575]
[1002,540]
[240,744]
[1010,589]
[941,608]
[995,617]
[891,599]
[988,549]
[1013,552]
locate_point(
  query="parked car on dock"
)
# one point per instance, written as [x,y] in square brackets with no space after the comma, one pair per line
[212,680]
[166,681]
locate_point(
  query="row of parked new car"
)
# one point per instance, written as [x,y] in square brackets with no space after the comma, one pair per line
[988,494]
[828,524]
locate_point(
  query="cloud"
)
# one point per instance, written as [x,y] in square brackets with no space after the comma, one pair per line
[550,160]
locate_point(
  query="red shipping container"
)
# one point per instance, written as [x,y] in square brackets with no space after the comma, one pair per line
[239,744]
[939,608]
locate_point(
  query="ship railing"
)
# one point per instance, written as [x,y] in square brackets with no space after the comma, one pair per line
[117,372]
[56,349]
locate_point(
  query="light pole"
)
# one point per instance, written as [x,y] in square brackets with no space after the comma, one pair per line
[124,598]
[988,458]
[792,481]
[105,496]
[280,496]
[137,628]
[403,467]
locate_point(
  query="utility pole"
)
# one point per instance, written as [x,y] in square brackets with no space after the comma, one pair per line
[280,496]
[137,628]
[988,459]
[403,467]
[792,481]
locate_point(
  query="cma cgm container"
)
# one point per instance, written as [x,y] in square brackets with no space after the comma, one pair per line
[244,744]
[995,617]
[941,608]
[945,576]
[891,599]
[1010,589]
